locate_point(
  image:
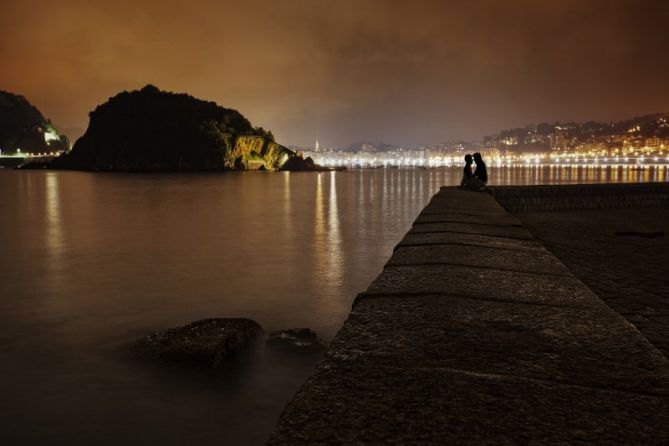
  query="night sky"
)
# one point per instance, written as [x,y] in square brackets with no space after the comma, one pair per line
[404,72]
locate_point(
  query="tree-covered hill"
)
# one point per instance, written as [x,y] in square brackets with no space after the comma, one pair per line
[154,130]
[23,128]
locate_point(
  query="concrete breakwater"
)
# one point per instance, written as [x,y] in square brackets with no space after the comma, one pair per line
[475,333]
[549,198]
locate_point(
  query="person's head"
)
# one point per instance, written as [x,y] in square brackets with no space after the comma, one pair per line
[477,158]
[468,159]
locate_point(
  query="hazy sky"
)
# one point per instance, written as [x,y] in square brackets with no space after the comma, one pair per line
[405,72]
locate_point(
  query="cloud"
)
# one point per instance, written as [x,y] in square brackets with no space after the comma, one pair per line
[406,72]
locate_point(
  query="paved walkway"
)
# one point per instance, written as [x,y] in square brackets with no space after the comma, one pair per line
[475,334]
[620,255]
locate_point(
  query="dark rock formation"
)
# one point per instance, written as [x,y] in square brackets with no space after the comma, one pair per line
[11,163]
[296,339]
[24,128]
[36,163]
[206,342]
[298,163]
[154,130]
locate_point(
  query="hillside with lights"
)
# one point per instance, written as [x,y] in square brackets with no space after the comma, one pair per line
[608,138]
[24,130]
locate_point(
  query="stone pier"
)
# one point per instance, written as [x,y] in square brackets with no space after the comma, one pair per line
[474,333]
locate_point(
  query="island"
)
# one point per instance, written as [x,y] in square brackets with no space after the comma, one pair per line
[150,130]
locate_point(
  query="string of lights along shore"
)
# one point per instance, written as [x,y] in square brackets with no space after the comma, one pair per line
[638,142]
[643,143]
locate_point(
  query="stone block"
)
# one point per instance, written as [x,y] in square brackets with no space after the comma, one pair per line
[582,346]
[347,403]
[498,220]
[438,238]
[446,208]
[478,256]
[485,284]
[499,231]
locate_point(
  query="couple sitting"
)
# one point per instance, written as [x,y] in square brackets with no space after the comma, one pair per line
[478,179]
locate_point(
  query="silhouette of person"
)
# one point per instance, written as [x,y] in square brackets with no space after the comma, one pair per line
[467,175]
[481,173]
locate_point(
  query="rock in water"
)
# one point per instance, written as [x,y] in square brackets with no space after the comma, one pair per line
[296,339]
[206,342]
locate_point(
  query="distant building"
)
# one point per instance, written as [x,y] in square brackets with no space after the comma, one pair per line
[653,143]
[558,140]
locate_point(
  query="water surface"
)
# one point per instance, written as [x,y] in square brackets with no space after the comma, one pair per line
[90,261]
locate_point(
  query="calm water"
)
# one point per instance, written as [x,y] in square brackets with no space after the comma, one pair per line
[90,261]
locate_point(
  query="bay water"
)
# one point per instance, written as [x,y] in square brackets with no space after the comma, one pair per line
[91,261]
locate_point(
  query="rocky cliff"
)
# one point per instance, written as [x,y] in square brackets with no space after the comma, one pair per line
[154,130]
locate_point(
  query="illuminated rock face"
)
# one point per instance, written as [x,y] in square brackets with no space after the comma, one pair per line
[252,152]
[154,130]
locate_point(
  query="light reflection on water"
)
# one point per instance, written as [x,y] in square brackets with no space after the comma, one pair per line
[577,174]
[93,260]
[55,243]
[334,272]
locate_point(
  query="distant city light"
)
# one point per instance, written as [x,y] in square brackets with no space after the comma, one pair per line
[555,150]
